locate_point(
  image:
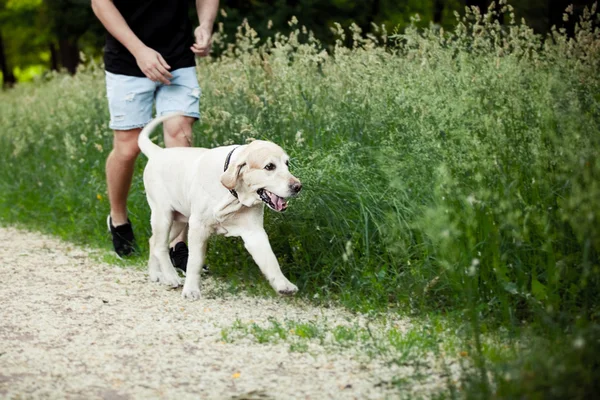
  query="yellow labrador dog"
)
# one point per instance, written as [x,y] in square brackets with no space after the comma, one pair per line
[221,190]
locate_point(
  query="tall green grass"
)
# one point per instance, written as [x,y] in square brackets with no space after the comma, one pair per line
[443,171]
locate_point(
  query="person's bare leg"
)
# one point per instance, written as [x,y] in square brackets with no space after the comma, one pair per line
[178,133]
[119,172]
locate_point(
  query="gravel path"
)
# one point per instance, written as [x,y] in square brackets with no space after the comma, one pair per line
[74,327]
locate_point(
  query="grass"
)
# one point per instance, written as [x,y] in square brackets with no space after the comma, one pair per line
[449,172]
[374,339]
[434,359]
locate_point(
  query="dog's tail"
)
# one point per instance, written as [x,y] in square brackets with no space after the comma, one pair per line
[145,144]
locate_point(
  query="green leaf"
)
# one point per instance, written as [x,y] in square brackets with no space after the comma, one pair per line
[538,290]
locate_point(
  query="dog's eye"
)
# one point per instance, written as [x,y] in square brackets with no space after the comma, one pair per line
[287,163]
[270,167]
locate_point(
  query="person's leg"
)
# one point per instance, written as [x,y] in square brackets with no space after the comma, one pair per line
[130,101]
[119,172]
[182,95]
[178,133]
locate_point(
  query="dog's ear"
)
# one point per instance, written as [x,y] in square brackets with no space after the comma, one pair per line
[232,173]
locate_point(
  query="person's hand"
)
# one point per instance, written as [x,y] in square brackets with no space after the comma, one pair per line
[153,65]
[203,41]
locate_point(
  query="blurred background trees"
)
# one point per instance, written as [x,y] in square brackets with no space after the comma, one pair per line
[42,35]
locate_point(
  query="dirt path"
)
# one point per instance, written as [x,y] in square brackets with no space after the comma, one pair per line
[72,327]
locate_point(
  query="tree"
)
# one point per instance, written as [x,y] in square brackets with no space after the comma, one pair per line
[438,11]
[8,78]
[482,4]
[69,20]
[15,20]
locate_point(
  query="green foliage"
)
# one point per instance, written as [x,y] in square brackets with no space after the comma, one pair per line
[436,163]
[563,367]
[23,37]
[271,16]
[42,35]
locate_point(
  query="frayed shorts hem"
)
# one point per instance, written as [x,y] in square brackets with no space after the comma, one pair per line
[185,114]
[115,127]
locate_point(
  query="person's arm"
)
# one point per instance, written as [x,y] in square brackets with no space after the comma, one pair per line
[150,61]
[207,12]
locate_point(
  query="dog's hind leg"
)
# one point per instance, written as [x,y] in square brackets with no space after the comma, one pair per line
[161,226]
[198,239]
[153,263]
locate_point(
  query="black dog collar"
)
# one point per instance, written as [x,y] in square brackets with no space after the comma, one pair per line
[232,191]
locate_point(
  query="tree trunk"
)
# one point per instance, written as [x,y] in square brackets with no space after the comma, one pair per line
[373,12]
[53,58]
[7,74]
[69,54]
[482,4]
[438,11]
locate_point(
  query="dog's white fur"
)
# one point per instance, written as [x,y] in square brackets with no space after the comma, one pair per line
[187,185]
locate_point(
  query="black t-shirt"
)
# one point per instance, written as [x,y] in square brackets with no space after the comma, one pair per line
[162,25]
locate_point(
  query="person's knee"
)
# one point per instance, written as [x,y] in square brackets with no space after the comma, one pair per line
[178,131]
[125,145]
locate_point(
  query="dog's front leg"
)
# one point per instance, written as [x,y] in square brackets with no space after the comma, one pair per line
[257,244]
[198,236]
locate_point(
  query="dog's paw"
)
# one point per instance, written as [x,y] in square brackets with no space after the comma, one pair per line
[154,276]
[290,291]
[189,293]
[285,287]
[172,280]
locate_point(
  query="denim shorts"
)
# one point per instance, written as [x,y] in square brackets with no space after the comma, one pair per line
[131,98]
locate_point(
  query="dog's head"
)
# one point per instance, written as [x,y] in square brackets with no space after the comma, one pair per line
[260,172]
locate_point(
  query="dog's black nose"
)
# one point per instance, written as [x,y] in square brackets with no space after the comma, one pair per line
[296,187]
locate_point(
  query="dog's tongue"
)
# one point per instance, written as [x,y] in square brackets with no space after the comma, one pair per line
[278,202]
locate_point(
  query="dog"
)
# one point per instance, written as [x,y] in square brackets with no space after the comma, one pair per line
[214,191]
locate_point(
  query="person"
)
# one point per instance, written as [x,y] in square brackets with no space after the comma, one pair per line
[149,60]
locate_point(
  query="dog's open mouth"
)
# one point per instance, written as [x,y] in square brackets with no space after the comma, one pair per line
[272,200]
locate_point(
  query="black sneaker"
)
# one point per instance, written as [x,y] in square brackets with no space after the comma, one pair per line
[122,238]
[179,257]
